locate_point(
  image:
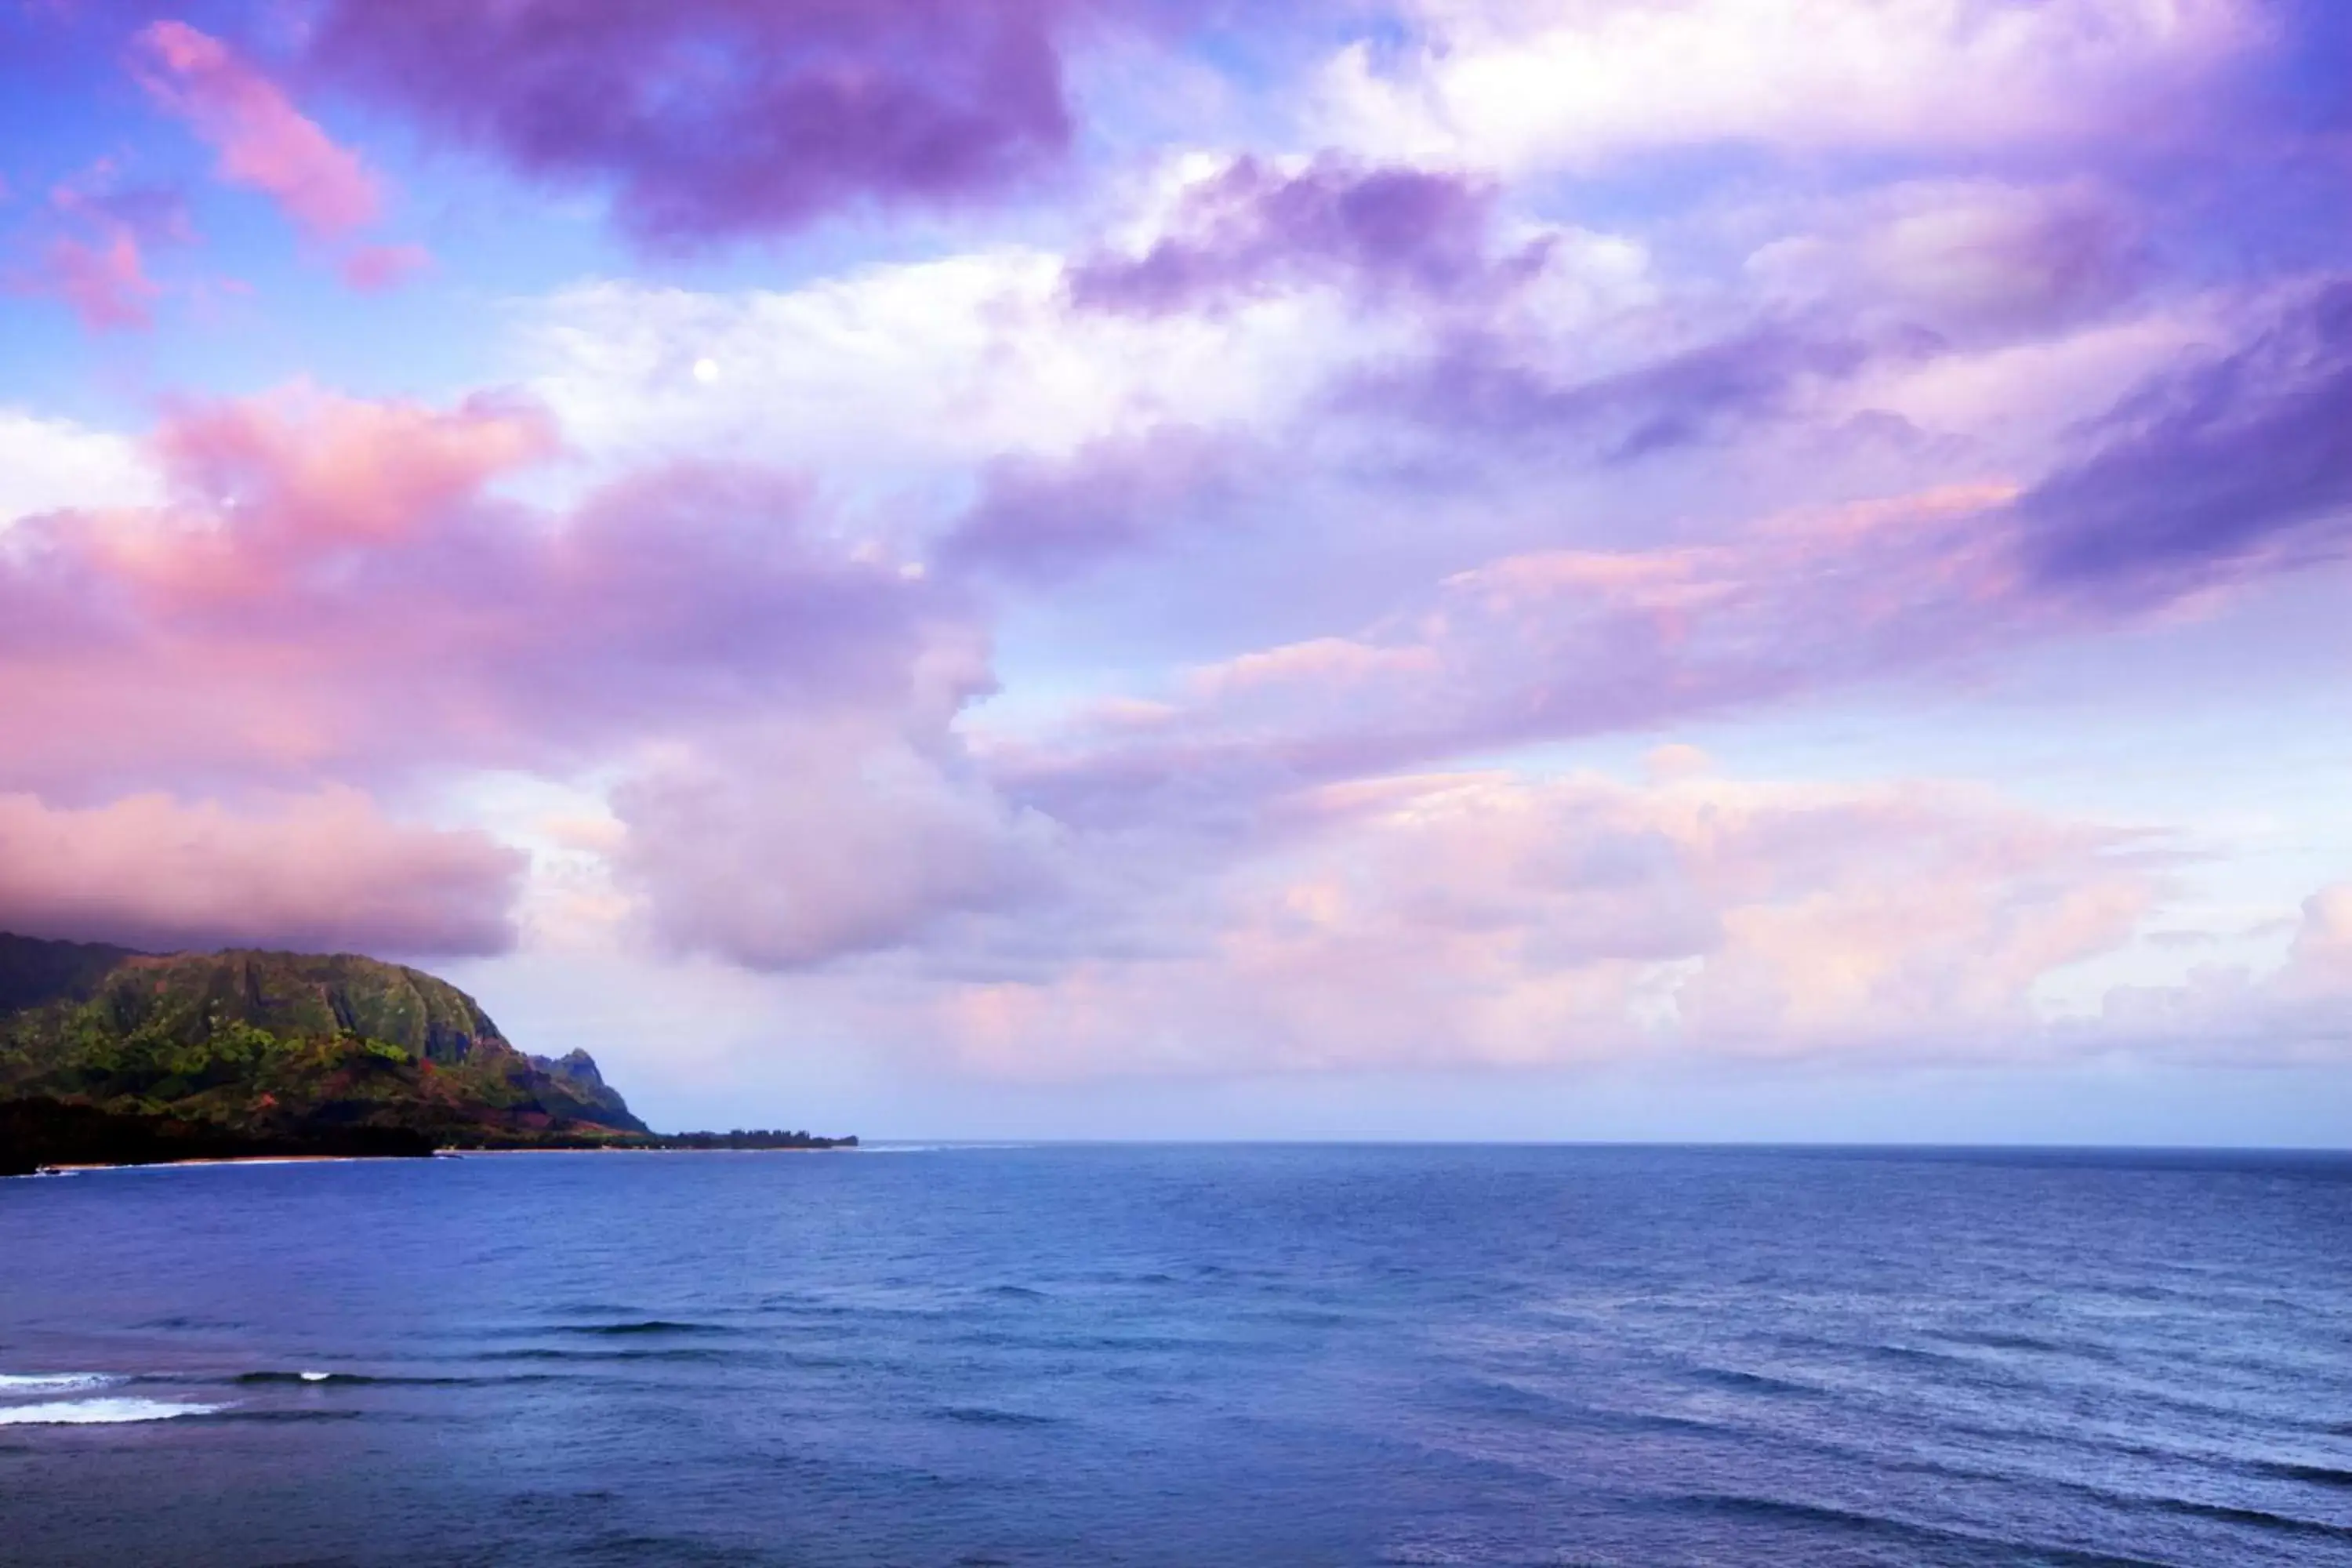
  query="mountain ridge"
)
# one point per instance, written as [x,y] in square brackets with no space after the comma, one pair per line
[263,1049]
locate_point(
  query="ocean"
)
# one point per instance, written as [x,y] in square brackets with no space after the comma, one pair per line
[1194,1355]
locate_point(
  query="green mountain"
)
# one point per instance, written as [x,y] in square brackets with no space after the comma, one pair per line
[270,1052]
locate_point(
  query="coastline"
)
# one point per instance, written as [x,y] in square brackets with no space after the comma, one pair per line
[72,1168]
[80,1167]
[41,1135]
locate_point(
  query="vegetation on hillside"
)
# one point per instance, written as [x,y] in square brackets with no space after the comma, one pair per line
[287,1047]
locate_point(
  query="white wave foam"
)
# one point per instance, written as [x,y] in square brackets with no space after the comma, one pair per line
[50,1382]
[98,1412]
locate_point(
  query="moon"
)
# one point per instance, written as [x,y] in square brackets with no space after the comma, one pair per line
[706,371]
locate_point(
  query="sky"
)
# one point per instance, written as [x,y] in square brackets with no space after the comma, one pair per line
[1581,569]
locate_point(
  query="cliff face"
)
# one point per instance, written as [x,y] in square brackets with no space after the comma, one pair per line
[33,972]
[282,1045]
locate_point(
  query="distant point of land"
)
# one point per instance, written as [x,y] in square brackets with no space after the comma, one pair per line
[110,1056]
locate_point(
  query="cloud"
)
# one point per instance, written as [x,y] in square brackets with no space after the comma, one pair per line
[98,264]
[892,373]
[1556,644]
[318,872]
[1532,85]
[2300,1012]
[1039,521]
[104,281]
[1487,385]
[2230,464]
[51,463]
[783,846]
[712,119]
[2319,965]
[1974,261]
[264,143]
[2208,476]
[1484,920]
[372,269]
[334,589]
[1251,228]
[334,592]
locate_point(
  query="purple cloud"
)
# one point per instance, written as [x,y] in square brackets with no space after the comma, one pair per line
[1557,644]
[1038,522]
[2213,468]
[1481,384]
[2232,467]
[1250,230]
[779,845]
[713,120]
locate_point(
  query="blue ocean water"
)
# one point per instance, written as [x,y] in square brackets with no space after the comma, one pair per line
[1184,1355]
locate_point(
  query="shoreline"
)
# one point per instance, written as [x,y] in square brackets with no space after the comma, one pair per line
[74,1168]
[77,1167]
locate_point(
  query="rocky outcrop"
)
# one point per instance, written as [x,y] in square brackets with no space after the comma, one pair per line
[188,1049]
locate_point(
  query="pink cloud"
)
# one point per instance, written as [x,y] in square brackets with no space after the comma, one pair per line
[2320,964]
[99,268]
[336,590]
[1561,643]
[103,280]
[325,871]
[783,846]
[372,269]
[263,141]
[1486,920]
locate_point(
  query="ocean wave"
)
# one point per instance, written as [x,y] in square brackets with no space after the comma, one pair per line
[628,1355]
[1913,1535]
[1751,1382]
[99,1412]
[2257,1518]
[12,1382]
[987,1416]
[365,1380]
[2318,1474]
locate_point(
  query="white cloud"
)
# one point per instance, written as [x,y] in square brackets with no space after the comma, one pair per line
[2300,1012]
[50,464]
[924,367]
[1523,85]
[910,373]
[1504,922]
[1972,259]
